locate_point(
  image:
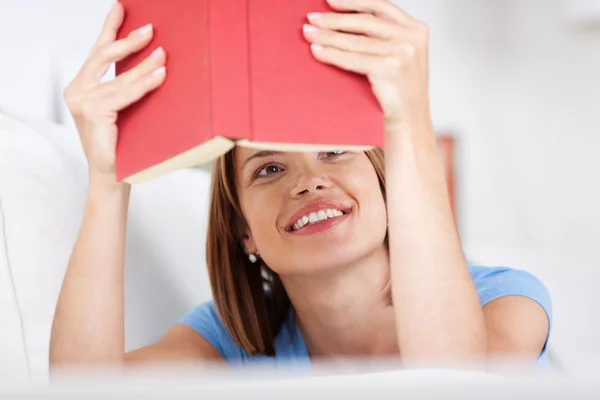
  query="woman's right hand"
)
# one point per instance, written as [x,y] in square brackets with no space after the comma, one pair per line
[95,106]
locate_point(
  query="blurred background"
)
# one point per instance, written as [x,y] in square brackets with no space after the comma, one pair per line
[516,83]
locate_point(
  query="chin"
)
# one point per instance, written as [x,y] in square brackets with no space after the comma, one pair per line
[333,254]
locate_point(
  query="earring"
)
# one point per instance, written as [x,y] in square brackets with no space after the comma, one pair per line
[252,258]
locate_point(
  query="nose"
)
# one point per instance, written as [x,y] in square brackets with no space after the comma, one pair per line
[310,182]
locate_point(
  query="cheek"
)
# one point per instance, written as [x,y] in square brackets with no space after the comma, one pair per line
[254,209]
[373,218]
[260,208]
[372,207]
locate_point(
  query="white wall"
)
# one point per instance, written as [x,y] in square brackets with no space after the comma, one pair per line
[531,179]
[520,87]
[35,36]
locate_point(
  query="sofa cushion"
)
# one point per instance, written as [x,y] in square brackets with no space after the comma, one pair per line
[43,189]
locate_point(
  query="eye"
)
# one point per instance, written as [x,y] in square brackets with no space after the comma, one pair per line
[267,170]
[332,154]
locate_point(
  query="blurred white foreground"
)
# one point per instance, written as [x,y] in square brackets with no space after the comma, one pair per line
[211,381]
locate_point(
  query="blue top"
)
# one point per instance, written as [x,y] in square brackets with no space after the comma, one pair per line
[491,284]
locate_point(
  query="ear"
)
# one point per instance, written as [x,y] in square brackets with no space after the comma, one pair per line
[248,243]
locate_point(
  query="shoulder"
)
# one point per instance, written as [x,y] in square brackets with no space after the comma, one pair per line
[205,320]
[495,282]
[515,323]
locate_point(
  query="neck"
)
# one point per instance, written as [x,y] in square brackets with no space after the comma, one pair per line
[345,312]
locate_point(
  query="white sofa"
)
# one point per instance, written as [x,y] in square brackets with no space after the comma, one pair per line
[43,186]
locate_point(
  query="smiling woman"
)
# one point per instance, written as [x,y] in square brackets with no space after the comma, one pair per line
[272,191]
[311,254]
[311,229]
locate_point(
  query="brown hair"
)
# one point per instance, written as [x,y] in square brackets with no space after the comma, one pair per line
[251,315]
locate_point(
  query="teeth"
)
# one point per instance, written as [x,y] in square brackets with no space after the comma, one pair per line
[315,217]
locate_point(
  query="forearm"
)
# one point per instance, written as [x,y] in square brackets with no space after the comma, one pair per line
[438,314]
[88,324]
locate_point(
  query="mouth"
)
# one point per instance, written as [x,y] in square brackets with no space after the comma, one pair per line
[322,217]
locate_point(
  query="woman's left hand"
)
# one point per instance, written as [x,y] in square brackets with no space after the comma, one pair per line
[378,39]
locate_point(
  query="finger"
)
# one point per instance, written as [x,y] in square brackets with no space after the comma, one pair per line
[122,94]
[353,62]
[152,62]
[156,60]
[112,52]
[111,26]
[348,42]
[378,7]
[366,24]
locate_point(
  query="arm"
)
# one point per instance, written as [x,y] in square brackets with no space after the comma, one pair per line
[180,343]
[88,325]
[517,308]
[436,294]
[438,312]
[517,326]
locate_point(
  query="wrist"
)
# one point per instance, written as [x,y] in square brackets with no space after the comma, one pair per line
[106,185]
[408,132]
[419,120]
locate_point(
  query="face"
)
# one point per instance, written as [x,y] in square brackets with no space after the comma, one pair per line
[307,212]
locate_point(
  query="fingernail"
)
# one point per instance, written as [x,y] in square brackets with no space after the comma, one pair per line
[160,71]
[314,16]
[158,52]
[144,30]
[316,47]
[310,28]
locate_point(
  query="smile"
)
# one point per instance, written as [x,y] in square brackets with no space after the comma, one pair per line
[317,217]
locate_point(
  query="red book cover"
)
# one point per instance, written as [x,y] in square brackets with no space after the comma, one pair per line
[237,70]
[297,99]
[180,123]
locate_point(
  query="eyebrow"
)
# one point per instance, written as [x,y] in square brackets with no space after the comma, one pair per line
[261,154]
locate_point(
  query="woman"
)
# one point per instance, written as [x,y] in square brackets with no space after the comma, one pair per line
[311,255]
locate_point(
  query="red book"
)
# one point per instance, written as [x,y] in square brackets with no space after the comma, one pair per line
[239,72]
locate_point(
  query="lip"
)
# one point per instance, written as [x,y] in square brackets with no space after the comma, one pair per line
[314,207]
